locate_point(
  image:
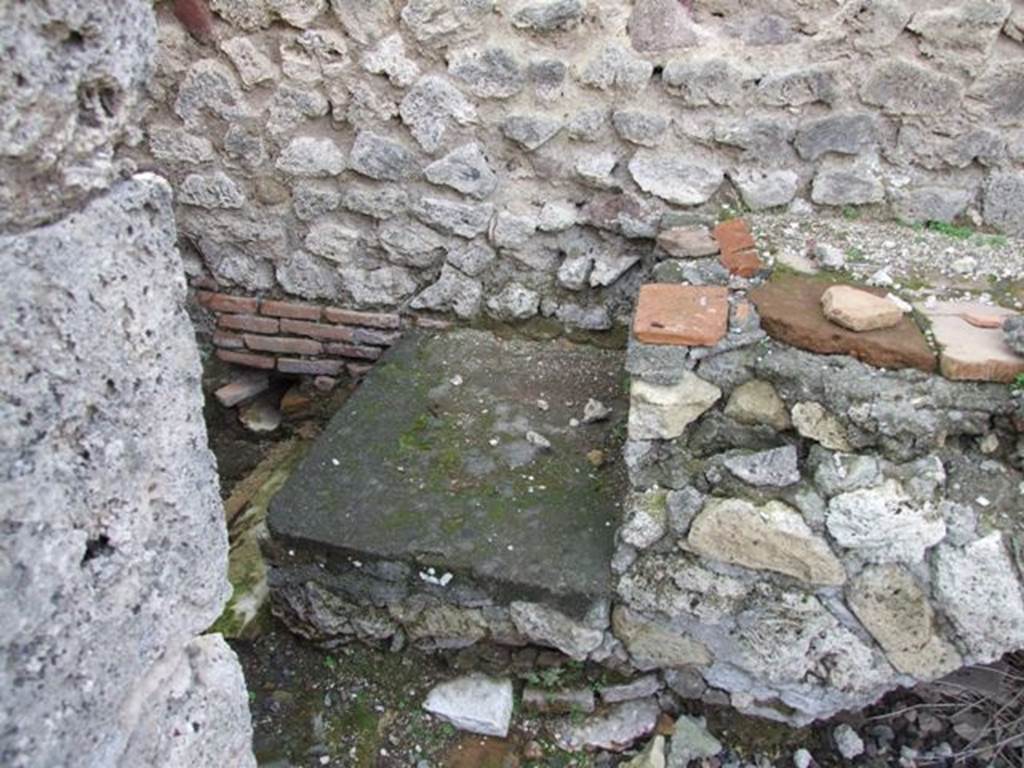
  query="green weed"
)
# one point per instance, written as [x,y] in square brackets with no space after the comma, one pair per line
[950,230]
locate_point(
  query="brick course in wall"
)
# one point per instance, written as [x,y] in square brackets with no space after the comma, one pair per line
[297,338]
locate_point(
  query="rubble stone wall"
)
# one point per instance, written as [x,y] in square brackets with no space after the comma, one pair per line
[821,530]
[114,552]
[516,157]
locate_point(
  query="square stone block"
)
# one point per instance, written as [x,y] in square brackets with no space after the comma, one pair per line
[681,315]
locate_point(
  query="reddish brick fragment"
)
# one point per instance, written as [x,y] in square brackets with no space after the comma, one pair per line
[734,235]
[353,351]
[316,330]
[682,315]
[742,263]
[223,302]
[738,249]
[227,340]
[283,344]
[195,16]
[367,319]
[251,323]
[309,367]
[290,309]
[248,359]
[241,389]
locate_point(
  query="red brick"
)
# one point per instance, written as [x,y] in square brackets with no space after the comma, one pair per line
[367,319]
[290,309]
[738,249]
[222,302]
[241,389]
[227,340]
[351,350]
[683,315]
[316,330]
[375,338]
[283,344]
[734,235]
[247,359]
[309,367]
[742,263]
[251,323]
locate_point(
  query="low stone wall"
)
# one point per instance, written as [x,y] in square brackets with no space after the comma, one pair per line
[808,530]
[516,157]
[815,515]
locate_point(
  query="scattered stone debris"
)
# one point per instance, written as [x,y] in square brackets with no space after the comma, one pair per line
[595,411]
[261,415]
[559,702]
[653,755]
[474,703]
[849,744]
[537,439]
[691,741]
[615,729]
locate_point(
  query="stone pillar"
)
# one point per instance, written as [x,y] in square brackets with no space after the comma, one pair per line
[113,552]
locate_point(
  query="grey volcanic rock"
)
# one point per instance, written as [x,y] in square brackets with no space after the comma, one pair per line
[676,178]
[381,158]
[464,169]
[848,134]
[777,467]
[530,131]
[116,472]
[491,73]
[548,15]
[1013,332]
[904,88]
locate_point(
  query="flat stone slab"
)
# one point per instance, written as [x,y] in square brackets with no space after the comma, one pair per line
[681,315]
[790,310]
[429,461]
[970,352]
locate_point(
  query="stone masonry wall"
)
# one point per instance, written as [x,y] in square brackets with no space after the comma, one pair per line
[807,531]
[113,556]
[516,157]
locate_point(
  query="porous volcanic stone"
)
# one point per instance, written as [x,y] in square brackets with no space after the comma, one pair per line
[790,310]
[414,464]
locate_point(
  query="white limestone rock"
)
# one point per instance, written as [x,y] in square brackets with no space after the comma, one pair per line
[883,524]
[770,537]
[977,587]
[474,703]
[662,412]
